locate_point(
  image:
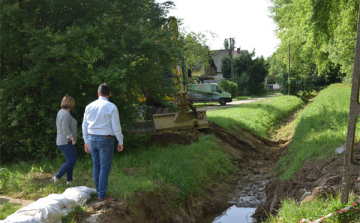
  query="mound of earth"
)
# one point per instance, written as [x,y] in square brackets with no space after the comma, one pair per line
[316,178]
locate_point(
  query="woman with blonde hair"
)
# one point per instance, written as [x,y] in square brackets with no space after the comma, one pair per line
[66,136]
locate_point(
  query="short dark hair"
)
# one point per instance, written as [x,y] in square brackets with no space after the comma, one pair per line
[104,89]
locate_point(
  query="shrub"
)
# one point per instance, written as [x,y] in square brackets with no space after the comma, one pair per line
[229,87]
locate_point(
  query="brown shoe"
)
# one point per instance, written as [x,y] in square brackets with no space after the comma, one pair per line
[107,199]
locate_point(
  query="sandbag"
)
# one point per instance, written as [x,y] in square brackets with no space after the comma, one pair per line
[42,211]
[69,203]
[51,208]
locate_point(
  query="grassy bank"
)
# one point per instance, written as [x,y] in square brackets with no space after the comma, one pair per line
[261,117]
[319,129]
[186,168]
[291,211]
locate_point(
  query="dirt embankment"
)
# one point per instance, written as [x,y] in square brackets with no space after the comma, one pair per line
[254,155]
[316,178]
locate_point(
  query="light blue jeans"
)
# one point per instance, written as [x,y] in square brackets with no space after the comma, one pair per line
[102,154]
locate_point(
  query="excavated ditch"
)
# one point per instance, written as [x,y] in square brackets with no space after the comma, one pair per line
[255,190]
[255,156]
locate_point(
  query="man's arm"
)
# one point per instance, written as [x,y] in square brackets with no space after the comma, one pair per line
[85,125]
[116,127]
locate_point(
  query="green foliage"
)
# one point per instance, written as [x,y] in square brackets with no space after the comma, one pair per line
[320,127]
[292,211]
[230,87]
[194,50]
[185,168]
[70,217]
[226,67]
[8,209]
[321,35]
[262,117]
[4,177]
[249,73]
[55,48]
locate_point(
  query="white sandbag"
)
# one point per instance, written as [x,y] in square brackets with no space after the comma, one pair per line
[42,211]
[78,196]
[69,203]
[51,202]
[21,219]
[88,190]
[51,208]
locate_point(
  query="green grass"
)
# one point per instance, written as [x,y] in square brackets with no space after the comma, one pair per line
[238,98]
[261,117]
[319,129]
[8,209]
[70,217]
[186,169]
[291,211]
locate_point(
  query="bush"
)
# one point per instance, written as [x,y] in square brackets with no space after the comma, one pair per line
[230,87]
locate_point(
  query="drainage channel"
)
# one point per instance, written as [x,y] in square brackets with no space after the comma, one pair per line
[244,200]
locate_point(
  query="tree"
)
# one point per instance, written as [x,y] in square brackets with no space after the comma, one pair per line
[226,67]
[249,73]
[195,50]
[54,48]
[321,33]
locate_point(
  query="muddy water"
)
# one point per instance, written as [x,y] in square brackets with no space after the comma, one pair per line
[243,201]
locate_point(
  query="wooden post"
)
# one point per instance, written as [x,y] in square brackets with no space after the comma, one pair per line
[350,166]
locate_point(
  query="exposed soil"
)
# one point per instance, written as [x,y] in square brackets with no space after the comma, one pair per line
[320,178]
[255,156]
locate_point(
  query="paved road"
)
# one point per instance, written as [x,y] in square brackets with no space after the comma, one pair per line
[210,107]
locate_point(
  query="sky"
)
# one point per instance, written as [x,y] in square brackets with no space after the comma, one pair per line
[247,21]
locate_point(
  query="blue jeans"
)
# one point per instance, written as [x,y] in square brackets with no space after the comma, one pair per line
[69,152]
[102,154]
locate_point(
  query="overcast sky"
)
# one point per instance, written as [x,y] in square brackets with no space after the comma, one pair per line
[247,21]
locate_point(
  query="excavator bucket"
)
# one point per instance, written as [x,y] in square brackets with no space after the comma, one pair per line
[180,120]
[183,119]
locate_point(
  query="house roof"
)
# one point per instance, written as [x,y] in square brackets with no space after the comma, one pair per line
[219,54]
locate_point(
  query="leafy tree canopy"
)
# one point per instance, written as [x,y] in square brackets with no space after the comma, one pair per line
[321,34]
[250,72]
[53,48]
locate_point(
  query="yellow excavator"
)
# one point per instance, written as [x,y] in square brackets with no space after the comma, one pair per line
[184,118]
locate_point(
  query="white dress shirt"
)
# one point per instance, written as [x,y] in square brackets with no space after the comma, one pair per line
[101,117]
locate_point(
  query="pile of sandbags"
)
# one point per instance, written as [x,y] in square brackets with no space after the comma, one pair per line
[52,208]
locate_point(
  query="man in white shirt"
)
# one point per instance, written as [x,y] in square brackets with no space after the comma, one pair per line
[101,122]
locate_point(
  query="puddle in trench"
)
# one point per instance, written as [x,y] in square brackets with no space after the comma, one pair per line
[247,196]
[232,215]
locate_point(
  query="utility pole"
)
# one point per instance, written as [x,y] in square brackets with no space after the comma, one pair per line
[289,82]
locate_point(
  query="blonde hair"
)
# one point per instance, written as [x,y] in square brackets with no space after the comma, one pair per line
[68,102]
